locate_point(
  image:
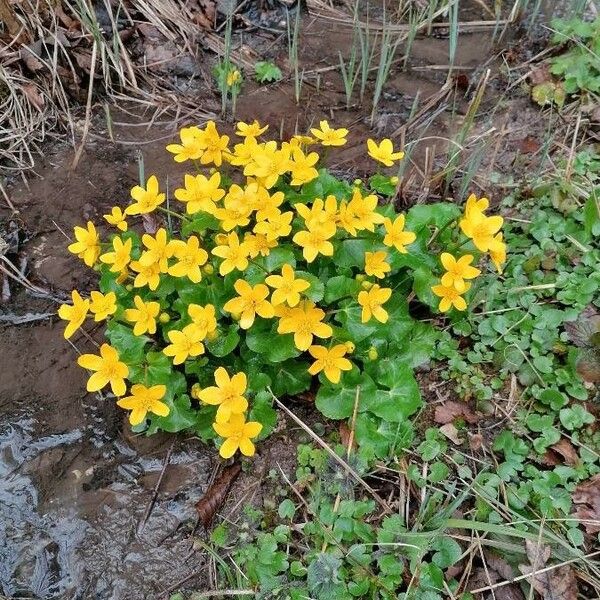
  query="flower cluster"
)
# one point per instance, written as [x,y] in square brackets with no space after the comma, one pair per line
[274,263]
[484,233]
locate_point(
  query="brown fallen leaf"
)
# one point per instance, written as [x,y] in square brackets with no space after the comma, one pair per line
[587,498]
[451,410]
[567,451]
[556,583]
[496,570]
[529,145]
[450,431]
[216,494]
[540,74]
[32,94]
[346,437]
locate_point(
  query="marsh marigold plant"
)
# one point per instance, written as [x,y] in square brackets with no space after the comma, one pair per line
[266,276]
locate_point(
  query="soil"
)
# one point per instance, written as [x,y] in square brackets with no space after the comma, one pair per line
[75,485]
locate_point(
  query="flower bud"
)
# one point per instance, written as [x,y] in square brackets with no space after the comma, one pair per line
[357,182]
[129,287]
[208,269]
[350,347]
[394,180]
[212,335]
[366,285]
[360,277]
[195,391]
[221,238]
[373,354]
[164,318]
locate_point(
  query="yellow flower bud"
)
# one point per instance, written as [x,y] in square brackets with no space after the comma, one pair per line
[211,336]
[366,285]
[208,269]
[164,318]
[195,391]
[129,287]
[360,277]
[357,182]
[221,239]
[373,354]
[394,180]
[350,347]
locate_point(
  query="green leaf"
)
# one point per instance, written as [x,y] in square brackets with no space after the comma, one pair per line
[130,347]
[286,509]
[290,377]
[423,279]
[225,343]
[383,185]
[447,552]
[265,72]
[316,291]
[180,417]
[339,287]
[278,257]
[262,411]
[263,339]
[200,222]
[351,253]
[336,401]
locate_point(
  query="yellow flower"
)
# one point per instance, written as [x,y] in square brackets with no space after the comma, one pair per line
[251,301]
[301,140]
[228,395]
[159,250]
[303,166]
[384,153]
[235,255]
[457,271]
[74,313]
[184,343]
[371,301]
[305,321]
[146,275]
[314,240]
[200,193]
[363,210]
[116,218]
[396,236]
[450,297]
[87,246]
[319,212]
[259,244]
[146,199]
[331,361]
[103,305]
[277,225]
[233,77]
[144,400]
[144,316]
[238,435]
[243,153]
[270,206]
[216,145]
[120,257]
[286,287]
[481,229]
[203,318]
[498,252]
[268,163]
[190,257]
[108,370]
[328,136]
[375,264]
[236,211]
[250,130]
[475,205]
[192,145]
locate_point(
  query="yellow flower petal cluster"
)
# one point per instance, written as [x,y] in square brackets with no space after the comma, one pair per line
[87,244]
[383,152]
[144,400]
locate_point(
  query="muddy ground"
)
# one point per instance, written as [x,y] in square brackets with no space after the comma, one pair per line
[75,485]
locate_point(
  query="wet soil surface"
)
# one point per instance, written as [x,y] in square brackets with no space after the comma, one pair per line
[75,486]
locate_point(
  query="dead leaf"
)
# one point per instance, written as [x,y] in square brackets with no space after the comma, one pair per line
[33,95]
[581,330]
[587,498]
[496,570]
[475,442]
[204,13]
[540,74]
[450,431]
[451,410]
[345,435]
[529,145]
[567,451]
[216,494]
[29,55]
[150,223]
[557,583]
